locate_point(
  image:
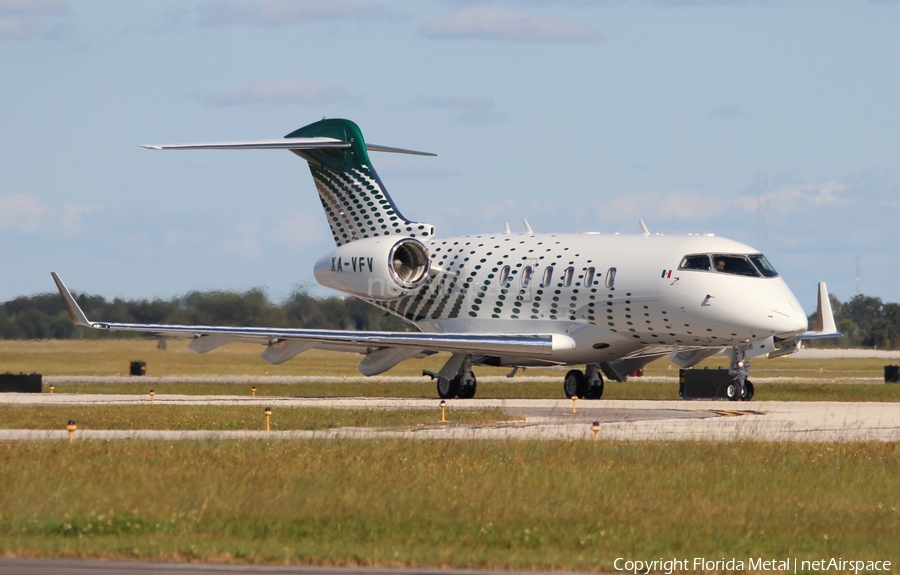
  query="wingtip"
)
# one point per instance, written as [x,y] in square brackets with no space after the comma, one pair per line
[72,306]
[151,147]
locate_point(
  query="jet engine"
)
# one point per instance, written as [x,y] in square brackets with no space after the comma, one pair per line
[375,268]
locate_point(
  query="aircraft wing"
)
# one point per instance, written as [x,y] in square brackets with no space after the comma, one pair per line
[383,348]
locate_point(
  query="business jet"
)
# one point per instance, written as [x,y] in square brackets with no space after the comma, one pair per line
[611,303]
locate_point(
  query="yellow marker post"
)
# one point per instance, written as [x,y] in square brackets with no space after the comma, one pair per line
[253,391]
[268,413]
[71,427]
[574,401]
[51,389]
[595,427]
[152,394]
[443,411]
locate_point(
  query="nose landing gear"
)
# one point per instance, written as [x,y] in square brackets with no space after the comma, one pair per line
[741,388]
[734,392]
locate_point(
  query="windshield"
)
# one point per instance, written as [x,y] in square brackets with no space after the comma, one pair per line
[754,265]
[763,265]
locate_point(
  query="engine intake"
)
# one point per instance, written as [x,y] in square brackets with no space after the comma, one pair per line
[375,268]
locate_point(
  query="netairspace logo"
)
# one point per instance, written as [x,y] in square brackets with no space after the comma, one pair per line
[756,564]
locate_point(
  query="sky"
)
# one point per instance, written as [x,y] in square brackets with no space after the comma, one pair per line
[772,122]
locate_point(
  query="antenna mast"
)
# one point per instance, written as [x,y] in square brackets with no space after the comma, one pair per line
[767,217]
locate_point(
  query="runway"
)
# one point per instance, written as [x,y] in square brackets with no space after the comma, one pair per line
[539,419]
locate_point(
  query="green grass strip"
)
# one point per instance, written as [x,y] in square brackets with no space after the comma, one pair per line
[519,505]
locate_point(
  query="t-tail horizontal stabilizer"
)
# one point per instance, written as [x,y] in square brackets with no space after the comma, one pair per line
[355,201]
[825,326]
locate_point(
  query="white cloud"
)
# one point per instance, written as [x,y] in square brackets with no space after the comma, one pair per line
[485,23]
[471,109]
[713,2]
[34,7]
[504,208]
[28,19]
[288,12]
[690,205]
[298,229]
[244,242]
[21,213]
[71,217]
[285,91]
[727,112]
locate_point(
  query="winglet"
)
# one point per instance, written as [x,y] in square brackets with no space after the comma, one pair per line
[644,229]
[824,315]
[74,310]
[825,326]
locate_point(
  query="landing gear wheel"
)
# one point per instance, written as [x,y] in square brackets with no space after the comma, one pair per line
[748,391]
[467,386]
[575,384]
[595,391]
[733,391]
[447,388]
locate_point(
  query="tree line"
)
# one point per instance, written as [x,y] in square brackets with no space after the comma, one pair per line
[44,316]
[865,321]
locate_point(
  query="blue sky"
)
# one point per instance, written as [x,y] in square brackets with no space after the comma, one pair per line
[576,114]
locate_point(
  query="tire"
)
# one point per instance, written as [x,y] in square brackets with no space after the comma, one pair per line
[732,391]
[447,388]
[575,383]
[595,391]
[467,390]
[748,391]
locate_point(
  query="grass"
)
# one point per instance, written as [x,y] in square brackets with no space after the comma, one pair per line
[222,417]
[515,505]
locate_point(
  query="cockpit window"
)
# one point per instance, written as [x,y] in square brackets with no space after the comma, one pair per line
[735,265]
[763,265]
[696,262]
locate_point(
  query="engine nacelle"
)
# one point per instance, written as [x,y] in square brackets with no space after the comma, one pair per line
[375,268]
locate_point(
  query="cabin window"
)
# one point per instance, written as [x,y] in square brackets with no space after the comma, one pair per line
[567,276]
[548,277]
[763,265]
[734,265]
[526,275]
[589,277]
[611,278]
[695,262]
[504,275]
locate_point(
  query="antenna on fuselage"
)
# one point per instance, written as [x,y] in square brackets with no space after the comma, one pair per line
[506,228]
[644,229]
[528,229]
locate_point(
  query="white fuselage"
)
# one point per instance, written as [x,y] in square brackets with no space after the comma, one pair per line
[614,295]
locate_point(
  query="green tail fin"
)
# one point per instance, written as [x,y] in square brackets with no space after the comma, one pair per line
[355,200]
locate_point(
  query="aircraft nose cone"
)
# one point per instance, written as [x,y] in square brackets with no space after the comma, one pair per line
[788,317]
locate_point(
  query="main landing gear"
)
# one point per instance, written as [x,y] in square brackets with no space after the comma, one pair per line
[587,384]
[463,385]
